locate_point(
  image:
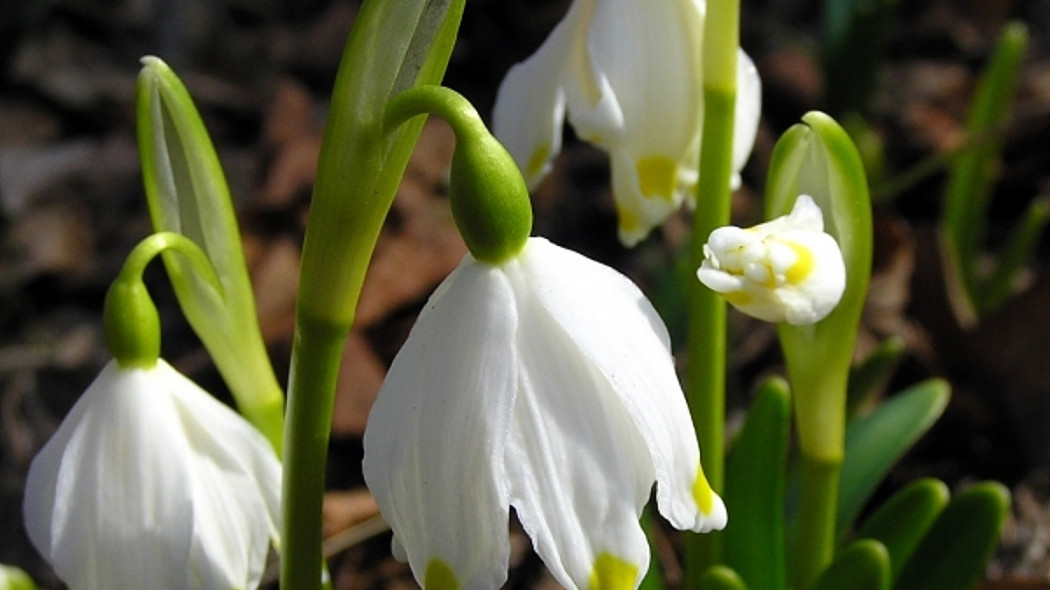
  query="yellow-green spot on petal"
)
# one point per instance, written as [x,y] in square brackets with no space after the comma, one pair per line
[802,266]
[439,576]
[537,160]
[736,298]
[629,222]
[612,573]
[703,495]
[657,176]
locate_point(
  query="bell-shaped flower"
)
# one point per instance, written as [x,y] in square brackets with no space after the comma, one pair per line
[629,76]
[784,270]
[150,482]
[544,382]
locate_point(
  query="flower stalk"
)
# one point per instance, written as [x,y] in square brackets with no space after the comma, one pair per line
[394,46]
[705,377]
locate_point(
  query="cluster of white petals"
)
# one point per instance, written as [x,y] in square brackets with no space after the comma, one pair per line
[628,75]
[150,482]
[545,383]
[784,270]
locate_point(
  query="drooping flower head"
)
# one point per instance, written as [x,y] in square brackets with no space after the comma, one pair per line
[149,482]
[784,270]
[545,383]
[534,378]
[628,75]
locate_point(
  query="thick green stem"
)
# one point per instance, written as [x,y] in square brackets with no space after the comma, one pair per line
[318,350]
[705,384]
[815,536]
[395,45]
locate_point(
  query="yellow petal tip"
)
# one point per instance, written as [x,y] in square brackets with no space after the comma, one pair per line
[439,576]
[613,573]
[657,176]
[703,495]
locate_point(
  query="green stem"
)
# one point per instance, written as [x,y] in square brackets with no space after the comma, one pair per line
[705,380]
[316,355]
[815,544]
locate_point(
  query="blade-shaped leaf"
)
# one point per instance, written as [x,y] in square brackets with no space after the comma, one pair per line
[875,442]
[754,492]
[863,565]
[956,550]
[187,194]
[901,522]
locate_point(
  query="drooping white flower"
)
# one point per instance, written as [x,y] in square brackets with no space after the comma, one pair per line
[150,482]
[629,76]
[784,270]
[545,383]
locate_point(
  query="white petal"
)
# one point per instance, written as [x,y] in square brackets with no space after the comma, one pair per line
[434,444]
[617,329]
[637,213]
[152,482]
[647,56]
[236,479]
[97,505]
[747,114]
[579,471]
[530,105]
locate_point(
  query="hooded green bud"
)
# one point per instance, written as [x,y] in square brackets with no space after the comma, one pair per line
[131,324]
[490,200]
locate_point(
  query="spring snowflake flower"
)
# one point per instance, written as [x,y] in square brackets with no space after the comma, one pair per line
[629,75]
[784,270]
[150,482]
[545,383]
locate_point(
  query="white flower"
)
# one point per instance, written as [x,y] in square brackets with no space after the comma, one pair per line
[629,74]
[150,482]
[784,270]
[545,383]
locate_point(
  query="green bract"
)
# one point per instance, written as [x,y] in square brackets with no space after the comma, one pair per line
[187,194]
[489,198]
[817,158]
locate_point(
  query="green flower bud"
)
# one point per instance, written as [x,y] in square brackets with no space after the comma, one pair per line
[490,200]
[131,323]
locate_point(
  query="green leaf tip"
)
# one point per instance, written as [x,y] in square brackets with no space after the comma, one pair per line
[490,200]
[955,551]
[901,522]
[863,565]
[720,577]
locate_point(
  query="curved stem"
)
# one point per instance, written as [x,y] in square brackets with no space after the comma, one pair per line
[148,249]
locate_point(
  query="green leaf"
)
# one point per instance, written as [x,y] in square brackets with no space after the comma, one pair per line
[721,577]
[875,442]
[955,552]
[863,565]
[393,46]
[902,521]
[971,177]
[868,379]
[754,492]
[1010,262]
[187,194]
